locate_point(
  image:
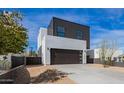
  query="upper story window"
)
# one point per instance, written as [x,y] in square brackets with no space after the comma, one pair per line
[60,31]
[79,34]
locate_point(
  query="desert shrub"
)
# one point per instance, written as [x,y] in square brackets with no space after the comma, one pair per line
[50,75]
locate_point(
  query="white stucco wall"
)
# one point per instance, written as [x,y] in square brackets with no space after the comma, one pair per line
[43,55]
[65,43]
[96,53]
[49,42]
[46,42]
[42,33]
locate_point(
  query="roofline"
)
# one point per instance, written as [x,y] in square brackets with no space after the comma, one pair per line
[70,22]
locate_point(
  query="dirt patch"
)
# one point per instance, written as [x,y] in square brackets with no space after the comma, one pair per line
[35,70]
[64,80]
[48,75]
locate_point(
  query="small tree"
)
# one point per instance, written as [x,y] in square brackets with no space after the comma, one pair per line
[13,35]
[111,51]
[103,51]
[107,50]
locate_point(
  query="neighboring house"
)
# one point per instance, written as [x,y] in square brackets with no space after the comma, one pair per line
[63,42]
[120,58]
[94,55]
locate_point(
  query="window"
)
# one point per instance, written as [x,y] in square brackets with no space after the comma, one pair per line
[60,31]
[79,34]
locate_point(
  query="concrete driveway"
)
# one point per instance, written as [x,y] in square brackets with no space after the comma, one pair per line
[89,74]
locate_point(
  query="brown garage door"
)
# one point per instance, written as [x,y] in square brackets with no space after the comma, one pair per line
[61,56]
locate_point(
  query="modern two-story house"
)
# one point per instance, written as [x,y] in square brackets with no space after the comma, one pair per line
[63,42]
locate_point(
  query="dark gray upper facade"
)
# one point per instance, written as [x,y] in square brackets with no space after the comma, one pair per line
[67,29]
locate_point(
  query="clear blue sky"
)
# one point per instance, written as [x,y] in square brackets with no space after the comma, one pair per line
[104,23]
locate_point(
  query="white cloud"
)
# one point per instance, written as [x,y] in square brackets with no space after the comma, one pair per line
[107,34]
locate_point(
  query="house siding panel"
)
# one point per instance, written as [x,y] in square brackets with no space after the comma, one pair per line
[71,28]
